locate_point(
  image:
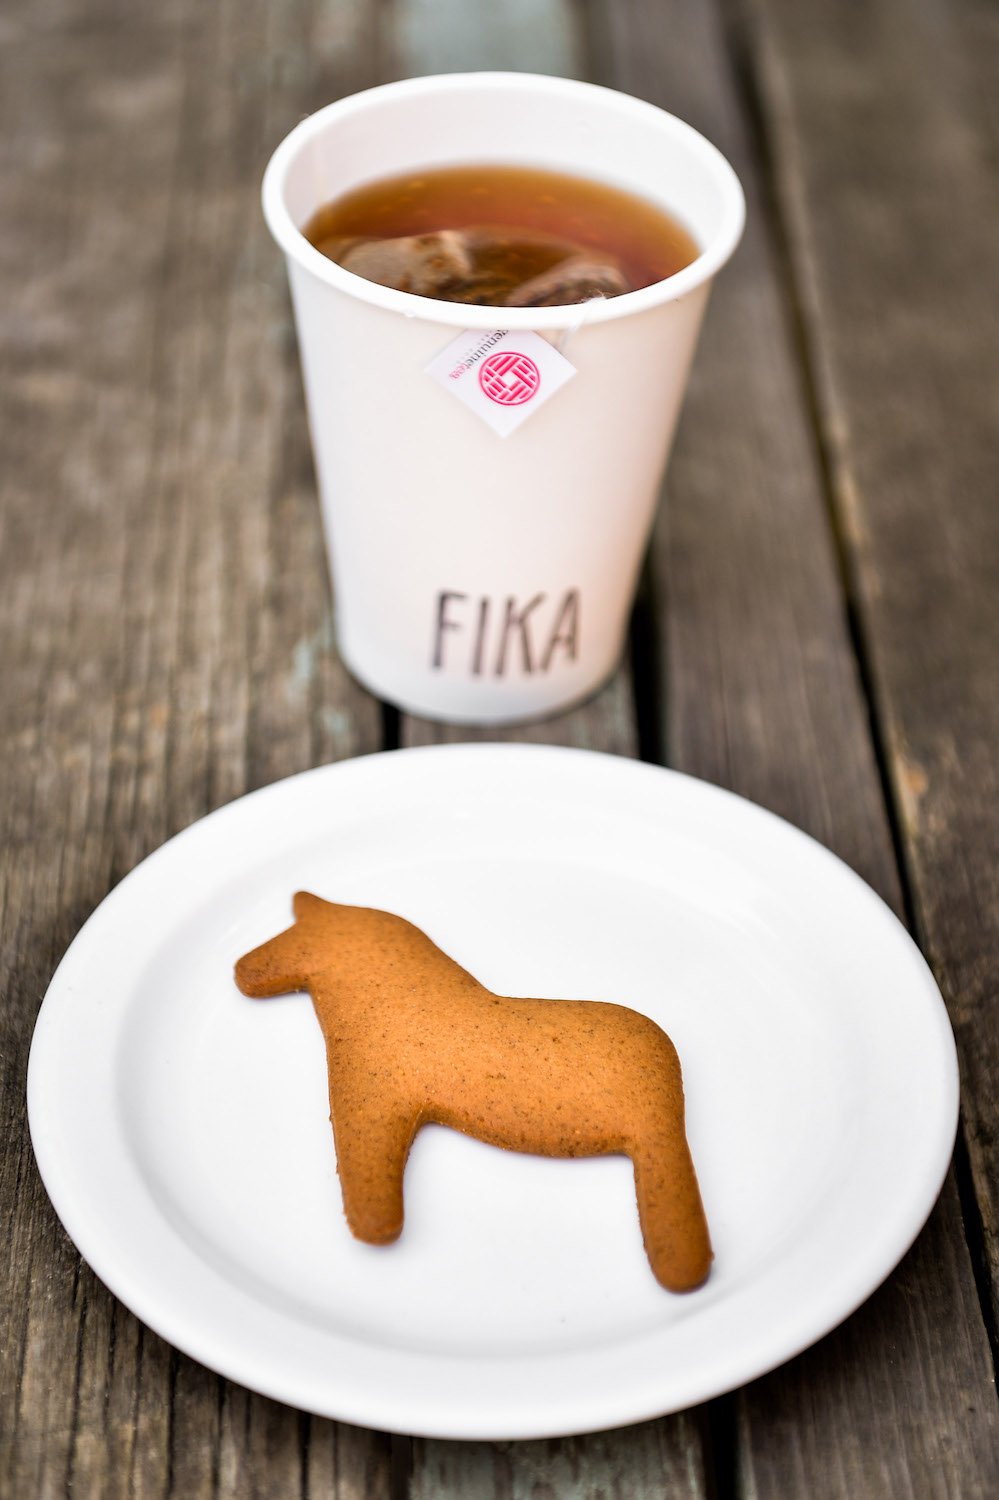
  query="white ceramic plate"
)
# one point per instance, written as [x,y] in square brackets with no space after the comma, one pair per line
[182,1133]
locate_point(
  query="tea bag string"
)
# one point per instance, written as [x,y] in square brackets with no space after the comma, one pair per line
[561,343]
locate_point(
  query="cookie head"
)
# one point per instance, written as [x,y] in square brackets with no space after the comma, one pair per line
[287,962]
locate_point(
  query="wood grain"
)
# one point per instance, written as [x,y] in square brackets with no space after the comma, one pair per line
[897,1404]
[896,159]
[760,692]
[645,1462]
[607,722]
[164,629]
[449,36]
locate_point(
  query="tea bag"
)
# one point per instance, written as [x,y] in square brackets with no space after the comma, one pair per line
[424,264]
[577,279]
[491,267]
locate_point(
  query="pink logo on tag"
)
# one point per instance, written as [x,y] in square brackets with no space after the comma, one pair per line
[501,376]
[509,379]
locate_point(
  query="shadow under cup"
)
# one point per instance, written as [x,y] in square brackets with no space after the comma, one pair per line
[480,578]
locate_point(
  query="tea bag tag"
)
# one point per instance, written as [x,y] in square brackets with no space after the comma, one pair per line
[504,377]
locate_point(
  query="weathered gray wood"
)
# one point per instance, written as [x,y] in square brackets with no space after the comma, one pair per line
[164,628]
[645,1462]
[760,692]
[836,1422]
[887,174]
[606,722]
[450,36]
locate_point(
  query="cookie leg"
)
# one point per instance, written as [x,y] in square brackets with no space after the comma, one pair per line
[371,1157]
[674,1228]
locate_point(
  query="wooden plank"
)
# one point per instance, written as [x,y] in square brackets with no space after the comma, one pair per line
[164,628]
[606,722]
[897,1404]
[758,683]
[760,692]
[645,1462]
[658,1458]
[897,162]
[451,36]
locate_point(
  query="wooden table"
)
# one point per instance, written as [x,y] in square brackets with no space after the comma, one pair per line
[818,629]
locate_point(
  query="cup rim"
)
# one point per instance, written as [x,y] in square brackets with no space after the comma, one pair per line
[462,315]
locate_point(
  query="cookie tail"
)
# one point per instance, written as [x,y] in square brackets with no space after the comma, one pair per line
[674,1228]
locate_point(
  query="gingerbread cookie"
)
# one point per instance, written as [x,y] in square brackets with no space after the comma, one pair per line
[411,1038]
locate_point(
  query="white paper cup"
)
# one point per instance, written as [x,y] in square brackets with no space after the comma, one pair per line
[481,578]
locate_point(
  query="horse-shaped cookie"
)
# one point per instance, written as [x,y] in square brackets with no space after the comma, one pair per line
[411,1038]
